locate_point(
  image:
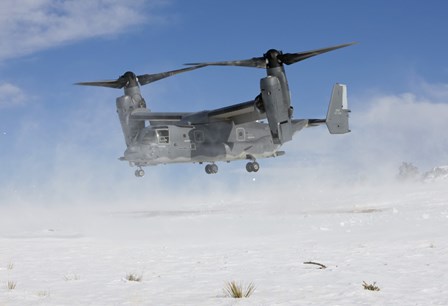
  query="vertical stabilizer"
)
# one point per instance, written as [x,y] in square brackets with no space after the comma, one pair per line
[337,115]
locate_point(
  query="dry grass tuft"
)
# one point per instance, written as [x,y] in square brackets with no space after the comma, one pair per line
[43,294]
[11,285]
[236,290]
[371,287]
[133,277]
[71,277]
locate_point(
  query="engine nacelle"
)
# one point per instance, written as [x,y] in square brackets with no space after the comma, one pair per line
[278,110]
[125,105]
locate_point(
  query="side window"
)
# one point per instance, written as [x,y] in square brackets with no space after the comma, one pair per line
[199,136]
[163,136]
[149,137]
[240,134]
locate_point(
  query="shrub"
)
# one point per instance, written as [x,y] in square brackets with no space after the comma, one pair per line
[11,285]
[371,287]
[71,277]
[43,294]
[132,277]
[407,172]
[234,290]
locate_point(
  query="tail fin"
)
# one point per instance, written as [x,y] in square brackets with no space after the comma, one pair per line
[337,115]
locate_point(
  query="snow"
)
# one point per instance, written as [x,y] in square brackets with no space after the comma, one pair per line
[395,236]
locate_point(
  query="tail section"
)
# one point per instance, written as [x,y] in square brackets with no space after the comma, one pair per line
[337,115]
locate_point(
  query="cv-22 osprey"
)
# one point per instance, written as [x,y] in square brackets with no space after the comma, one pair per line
[245,131]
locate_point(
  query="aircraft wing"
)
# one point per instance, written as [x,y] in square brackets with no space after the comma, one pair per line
[145,114]
[238,113]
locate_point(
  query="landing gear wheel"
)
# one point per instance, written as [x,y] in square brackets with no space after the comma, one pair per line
[255,166]
[139,173]
[252,167]
[211,169]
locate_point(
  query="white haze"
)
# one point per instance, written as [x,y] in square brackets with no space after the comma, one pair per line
[74,220]
[78,163]
[386,131]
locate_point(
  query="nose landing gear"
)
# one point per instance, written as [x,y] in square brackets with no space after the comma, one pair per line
[139,172]
[211,169]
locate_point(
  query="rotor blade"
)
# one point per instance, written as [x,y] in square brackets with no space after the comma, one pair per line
[291,58]
[149,78]
[256,62]
[112,84]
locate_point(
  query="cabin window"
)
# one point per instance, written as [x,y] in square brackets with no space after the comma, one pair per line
[163,136]
[240,134]
[149,137]
[199,136]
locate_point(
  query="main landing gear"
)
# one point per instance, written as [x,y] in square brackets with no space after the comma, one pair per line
[139,172]
[252,166]
[211,169]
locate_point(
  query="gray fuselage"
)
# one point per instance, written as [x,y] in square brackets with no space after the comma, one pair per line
[217,141]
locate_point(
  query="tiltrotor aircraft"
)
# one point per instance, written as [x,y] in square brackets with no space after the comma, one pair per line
[236,132]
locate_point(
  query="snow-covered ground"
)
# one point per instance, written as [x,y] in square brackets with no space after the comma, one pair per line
[396,236]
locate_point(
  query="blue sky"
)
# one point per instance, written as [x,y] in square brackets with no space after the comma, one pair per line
[59,138]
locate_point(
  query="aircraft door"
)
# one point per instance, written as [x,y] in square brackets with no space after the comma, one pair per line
[199,136]
[240,134]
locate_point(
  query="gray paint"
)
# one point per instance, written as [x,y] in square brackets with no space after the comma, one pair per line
[235,132]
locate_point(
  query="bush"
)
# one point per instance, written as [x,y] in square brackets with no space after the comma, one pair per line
[371,287]
[11,285]
[407,171]
[237,291]
[132,277]
[71,277]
